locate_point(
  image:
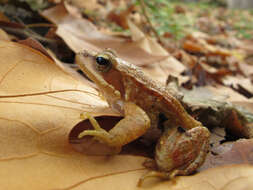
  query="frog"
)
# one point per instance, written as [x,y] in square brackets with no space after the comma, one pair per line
[183,143]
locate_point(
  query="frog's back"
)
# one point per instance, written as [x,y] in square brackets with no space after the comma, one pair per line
[143,90]
[153,97]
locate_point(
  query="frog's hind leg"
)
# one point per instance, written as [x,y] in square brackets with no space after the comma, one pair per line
[179,152]
[198,161]
[188,169]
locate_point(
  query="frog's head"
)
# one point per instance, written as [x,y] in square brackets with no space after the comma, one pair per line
[103,69]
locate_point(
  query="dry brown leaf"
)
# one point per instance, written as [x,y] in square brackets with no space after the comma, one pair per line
[232,96]
[91,5]
[35,45]
[120,18]
[238,81]
[162,69]
[246,104]
[239,152]
[236,99]
[246,69]
[229,94]
[213,109]
[81,34]
[197,43]
[193,47]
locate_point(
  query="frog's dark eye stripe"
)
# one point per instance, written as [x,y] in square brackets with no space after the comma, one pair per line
[102,61]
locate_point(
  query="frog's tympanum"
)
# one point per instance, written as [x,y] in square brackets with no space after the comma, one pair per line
[183,144]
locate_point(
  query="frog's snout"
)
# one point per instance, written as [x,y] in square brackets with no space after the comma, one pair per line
[86,54]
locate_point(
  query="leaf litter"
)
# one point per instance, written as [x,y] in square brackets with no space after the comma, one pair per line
[38,117]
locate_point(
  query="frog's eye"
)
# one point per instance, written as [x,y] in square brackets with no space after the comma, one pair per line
[103,63]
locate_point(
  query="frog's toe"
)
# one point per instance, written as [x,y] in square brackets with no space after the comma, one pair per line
[94,133]
[152,174]
[101,135]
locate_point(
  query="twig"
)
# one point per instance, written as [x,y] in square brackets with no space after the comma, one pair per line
[25,33]
[143,7]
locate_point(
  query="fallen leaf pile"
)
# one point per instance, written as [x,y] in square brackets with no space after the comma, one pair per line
[42,98]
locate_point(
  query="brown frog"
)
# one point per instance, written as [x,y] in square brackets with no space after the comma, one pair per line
[184,143]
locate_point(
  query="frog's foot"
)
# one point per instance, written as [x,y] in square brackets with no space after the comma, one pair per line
[94,123]
[160,174]
[98,132]
[156,174]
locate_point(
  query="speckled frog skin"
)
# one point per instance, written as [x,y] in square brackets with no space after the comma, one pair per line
[183,145]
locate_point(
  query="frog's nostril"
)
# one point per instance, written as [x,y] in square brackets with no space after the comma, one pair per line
[102,61]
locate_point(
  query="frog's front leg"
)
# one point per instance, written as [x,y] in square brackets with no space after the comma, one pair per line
[134,124]
[179,152]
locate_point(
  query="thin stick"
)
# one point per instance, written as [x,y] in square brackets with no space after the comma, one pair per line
[143,7]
